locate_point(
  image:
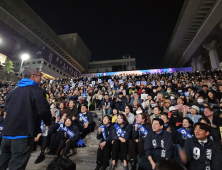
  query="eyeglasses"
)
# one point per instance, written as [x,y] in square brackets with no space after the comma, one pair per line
[38,75]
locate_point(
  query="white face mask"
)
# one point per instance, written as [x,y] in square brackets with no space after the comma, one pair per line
[168,91]
[138,111]
[172,97]
[199,100]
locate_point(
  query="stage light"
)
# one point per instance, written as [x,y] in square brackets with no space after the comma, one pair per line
[25,56]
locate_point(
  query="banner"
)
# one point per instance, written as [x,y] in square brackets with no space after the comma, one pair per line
[120,81]
[144,83]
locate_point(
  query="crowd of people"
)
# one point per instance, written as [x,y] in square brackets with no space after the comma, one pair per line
[147,118]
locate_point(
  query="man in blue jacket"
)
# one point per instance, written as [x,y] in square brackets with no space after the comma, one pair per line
[158,145]
[25,107]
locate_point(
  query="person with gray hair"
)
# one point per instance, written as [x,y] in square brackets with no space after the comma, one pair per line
[28,71]
[26,108]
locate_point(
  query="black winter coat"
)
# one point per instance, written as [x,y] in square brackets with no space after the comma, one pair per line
[159,146]
[137,134]
[198,156]
[108,133]
[64,135]
[25,108]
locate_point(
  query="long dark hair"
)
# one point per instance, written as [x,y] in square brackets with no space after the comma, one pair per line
[214,97]
[143,116]
[130,107]
[116,110]
[125,123]
[64,104]
[189,120]
[70,118]
[107,117]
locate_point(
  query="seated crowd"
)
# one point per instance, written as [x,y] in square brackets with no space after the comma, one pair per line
[147,118]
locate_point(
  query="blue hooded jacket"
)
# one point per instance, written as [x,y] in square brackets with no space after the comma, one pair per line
[25,106]
[27,82]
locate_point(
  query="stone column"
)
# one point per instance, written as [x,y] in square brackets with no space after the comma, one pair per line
[199,62]
[194,65]
[214,60]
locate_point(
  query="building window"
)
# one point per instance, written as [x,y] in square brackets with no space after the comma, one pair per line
[17,64]
[45,63]
[49,65]
[33,62]
[57,70]
[39,62]
[53,68]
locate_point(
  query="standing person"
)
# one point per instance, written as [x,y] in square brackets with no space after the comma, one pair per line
[22,123]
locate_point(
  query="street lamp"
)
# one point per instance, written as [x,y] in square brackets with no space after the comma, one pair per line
[24,57]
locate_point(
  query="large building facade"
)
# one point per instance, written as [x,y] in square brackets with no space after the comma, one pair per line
[22,31]
[125,64]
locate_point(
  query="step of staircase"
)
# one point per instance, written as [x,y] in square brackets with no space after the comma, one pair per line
[82,161]
[85,158]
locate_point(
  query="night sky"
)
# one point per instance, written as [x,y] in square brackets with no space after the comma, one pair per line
[112,28]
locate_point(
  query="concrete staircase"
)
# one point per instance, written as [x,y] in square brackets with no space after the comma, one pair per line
[85,158]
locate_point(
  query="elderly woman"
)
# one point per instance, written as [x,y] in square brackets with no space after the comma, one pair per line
[135,105]
[160,100]
[194,113]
